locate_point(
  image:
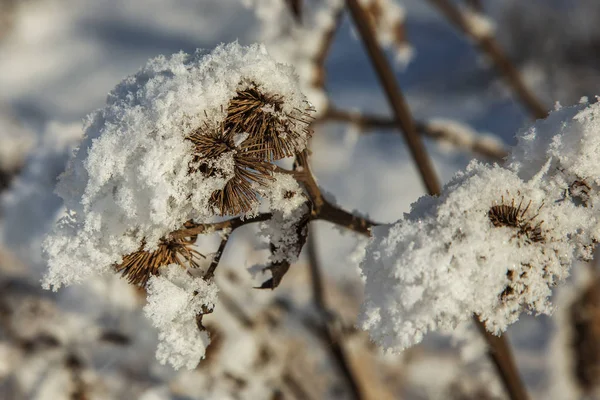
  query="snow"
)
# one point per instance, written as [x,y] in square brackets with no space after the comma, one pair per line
[129,181]
[175,298]
[493,243]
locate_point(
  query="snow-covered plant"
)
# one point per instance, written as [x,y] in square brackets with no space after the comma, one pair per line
[494,242]
[187,139]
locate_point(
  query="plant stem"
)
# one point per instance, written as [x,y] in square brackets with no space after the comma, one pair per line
[499,351]
[334,339]
[395,98]
[488,44]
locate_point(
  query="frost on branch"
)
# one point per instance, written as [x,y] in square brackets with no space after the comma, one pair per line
[175,299]
[494,242]
[286,234]
[186,138]
[387,18]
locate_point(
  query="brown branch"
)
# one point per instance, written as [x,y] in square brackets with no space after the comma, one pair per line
[343,218]
[324,48]
[499,350]
[488,44]
[502,358]
[333,338]
[230,224]
[475,5]
[395,98]
[210,272]
[296,9]
[478,144]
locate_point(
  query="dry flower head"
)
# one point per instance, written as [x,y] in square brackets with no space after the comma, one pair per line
[139,266]
[516,217]
[256,131]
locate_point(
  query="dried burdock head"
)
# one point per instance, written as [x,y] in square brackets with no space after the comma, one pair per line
[584,316]
[255,132]
[239,194]
[140,265]
[272,133]
[517,217]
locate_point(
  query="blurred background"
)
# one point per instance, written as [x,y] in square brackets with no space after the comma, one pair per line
[469,70]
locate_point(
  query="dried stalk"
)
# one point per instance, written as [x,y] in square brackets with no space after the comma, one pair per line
[210,272]
[488,44]
[402,114]
[334,338]
[324,48]
[499,350]
[478,145]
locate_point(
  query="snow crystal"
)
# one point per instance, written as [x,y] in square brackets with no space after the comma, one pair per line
[285,233]
[175,298]
[494,242]
[130,181]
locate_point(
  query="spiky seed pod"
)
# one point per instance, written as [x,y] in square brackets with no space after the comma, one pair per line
[585,342]
[516,217]
[255,132]
[273,134]
[238,195]
[140,265]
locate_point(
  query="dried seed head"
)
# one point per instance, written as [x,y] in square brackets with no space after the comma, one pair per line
[273,134]
[140,265]
[516,217]
[255,132]
[238,195]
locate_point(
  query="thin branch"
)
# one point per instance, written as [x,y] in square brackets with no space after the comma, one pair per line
[488,44]
[502,357]
[230,224]
[395,98]
[334,339]
[324,48]
[499,350]
[210,272]
[343,218]
[476,144]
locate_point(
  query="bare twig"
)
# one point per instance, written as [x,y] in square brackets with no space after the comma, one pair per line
[499,349]
[488,44]
[333,338]
[501,356]
[230,224]
[395,98]
[210,272]
[477,144]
